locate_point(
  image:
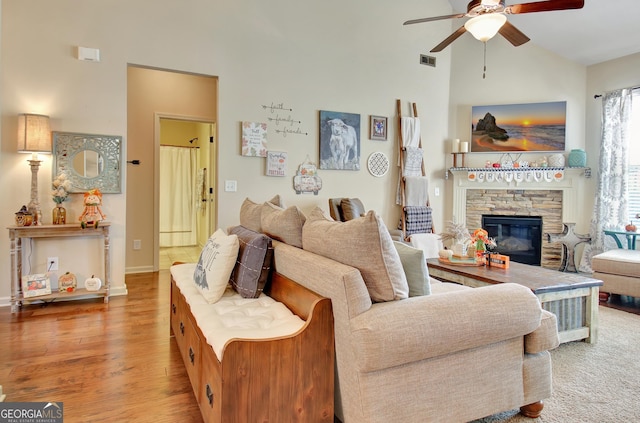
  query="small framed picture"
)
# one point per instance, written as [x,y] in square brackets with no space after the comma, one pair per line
[378,128]
[35,285]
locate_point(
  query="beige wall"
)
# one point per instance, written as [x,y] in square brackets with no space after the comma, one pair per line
[344,56]
[353,57]
[527,74]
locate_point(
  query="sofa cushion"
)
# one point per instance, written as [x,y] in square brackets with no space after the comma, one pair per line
[255,255]
[363,243]
[283,224]
[234,317]
[251,212]
[415,269]
[216,262]
[617,262]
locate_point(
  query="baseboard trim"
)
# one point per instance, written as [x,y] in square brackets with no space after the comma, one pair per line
[140,269]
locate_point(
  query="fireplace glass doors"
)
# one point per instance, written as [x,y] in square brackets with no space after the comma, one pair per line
[519,237]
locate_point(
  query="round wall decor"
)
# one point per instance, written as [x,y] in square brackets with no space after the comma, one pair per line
[378,164]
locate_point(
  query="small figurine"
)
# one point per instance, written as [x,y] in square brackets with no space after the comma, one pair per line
[92,214]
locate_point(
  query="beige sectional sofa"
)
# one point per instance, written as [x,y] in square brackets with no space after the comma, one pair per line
[455,355]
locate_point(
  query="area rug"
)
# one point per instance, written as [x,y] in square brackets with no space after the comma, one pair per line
[593,382]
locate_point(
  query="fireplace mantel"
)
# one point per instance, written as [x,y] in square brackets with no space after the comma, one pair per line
[571,184]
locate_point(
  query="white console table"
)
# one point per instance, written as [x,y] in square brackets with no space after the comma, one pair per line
[18,233]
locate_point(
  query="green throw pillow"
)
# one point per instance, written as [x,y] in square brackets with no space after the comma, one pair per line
[415,268]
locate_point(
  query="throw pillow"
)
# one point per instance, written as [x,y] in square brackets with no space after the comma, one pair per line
[414,264]
[283,224]
[250,213]
[217,259]
[364,243]
[351,208]
[255,255]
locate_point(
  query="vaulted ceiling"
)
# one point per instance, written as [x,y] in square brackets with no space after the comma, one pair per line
[602,30]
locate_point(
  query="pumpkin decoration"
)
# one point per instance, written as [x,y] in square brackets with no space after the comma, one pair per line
[92,283]
[630,227]
[67,282]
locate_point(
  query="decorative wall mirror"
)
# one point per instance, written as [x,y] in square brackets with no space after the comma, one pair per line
[89,161]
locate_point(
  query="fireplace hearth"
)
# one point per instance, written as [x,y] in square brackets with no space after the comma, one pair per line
[519,237]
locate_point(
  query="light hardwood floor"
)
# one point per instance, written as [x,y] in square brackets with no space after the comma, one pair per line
[106,362]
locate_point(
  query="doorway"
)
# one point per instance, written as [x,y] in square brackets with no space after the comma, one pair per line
[184,198]
[154,95]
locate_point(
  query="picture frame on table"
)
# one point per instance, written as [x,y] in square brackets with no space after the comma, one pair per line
[378,128]
[35,285]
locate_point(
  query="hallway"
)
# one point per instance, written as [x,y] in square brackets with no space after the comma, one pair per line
[170,255]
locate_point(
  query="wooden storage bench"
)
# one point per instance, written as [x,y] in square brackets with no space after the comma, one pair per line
[281,379]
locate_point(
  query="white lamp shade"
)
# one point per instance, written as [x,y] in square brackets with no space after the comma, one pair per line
[484,27]
[34,134]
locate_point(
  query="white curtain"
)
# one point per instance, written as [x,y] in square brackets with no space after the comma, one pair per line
[178,176]
[610,210]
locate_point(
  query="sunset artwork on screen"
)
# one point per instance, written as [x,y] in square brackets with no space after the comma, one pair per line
[519,127]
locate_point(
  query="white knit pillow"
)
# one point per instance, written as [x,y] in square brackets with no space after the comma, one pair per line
[217,259]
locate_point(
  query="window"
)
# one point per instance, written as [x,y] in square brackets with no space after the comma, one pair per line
[634,159]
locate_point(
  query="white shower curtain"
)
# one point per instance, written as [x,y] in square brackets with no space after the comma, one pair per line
[178,176]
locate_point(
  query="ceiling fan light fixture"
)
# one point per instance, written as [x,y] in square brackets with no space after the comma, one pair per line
[486,26]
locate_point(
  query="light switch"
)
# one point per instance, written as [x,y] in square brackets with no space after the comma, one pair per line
[230,186]
[436,192]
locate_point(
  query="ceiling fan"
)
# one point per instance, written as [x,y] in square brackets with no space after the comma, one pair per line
[488,17]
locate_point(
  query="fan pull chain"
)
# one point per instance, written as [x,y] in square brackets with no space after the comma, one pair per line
[484,69]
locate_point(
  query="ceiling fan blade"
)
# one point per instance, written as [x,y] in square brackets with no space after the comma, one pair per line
[544,6]
[451,38]
[435,18]
[513,34]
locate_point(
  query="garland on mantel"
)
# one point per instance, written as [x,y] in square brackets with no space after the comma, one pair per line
[506,169]
[518,174]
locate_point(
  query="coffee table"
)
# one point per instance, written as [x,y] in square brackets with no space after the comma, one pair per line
[573,298]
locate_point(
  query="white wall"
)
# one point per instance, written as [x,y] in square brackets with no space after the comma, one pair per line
[352,56]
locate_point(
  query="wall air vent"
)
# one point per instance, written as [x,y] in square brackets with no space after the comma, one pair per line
[427,60]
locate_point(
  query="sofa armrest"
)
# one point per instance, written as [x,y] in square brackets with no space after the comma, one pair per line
[399,332]
[545,337]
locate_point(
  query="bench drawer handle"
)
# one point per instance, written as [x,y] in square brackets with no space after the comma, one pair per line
[191,355]
[173,307]
[182,328]
[209,395]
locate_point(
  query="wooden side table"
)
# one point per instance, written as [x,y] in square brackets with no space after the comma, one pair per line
[18,233]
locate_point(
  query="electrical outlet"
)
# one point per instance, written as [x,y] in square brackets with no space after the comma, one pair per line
[52,264]
[137,244]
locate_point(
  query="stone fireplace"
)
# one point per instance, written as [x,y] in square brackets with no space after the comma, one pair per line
[552,199]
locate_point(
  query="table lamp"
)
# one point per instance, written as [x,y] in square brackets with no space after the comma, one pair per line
[34,136]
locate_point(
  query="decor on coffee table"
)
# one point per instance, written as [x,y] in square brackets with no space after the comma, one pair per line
[569,240]
[481,241]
